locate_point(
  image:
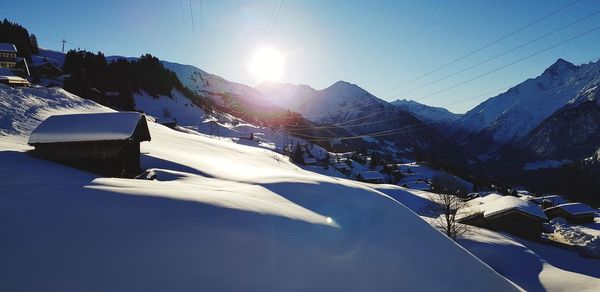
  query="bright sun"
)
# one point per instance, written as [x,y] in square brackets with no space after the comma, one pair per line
[267,64]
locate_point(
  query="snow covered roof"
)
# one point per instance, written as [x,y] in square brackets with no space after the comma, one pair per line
[341,165]
[13,80]
[6,47]
[556,199]
[369,175]
[90,127]
[507,203]
[574,208]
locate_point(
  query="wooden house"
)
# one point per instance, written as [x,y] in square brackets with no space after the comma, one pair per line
[572,212]
[103,143]
[8,56]
[46,70]
[508,214]
[167,122]
[374,177]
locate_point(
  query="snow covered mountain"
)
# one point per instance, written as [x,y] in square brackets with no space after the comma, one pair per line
[513,114]
[572,132]
[218,216]
[429,114]
[337,103]
[379,123]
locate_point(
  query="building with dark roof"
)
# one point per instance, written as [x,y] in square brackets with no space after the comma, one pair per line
[508,214]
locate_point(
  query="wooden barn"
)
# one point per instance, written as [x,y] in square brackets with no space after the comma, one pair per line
[509,214]
[104,143]
[572,212]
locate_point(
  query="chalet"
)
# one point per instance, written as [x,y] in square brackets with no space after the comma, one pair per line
[8,56]
[103,143]
[46,70]
[374,177]
[507,213]
[572,212]
[167,122]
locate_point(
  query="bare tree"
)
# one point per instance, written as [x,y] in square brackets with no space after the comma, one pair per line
[448,201]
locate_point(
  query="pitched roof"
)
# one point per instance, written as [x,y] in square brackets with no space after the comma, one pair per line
[574,208]
[91,127]
[6,47]
[369,175]
[507,203]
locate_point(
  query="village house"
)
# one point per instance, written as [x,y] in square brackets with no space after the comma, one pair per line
[374,177]
[509,214]
[8,56]
[103,143]
[572,212]
[343,168]
[45,70]
[547,201]
[167,122]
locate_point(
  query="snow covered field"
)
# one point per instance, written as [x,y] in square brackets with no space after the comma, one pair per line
[532,265]
[219,216]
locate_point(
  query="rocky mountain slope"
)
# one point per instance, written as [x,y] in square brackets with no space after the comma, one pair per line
[513,114]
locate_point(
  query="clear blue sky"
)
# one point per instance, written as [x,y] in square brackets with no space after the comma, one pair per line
[375,44]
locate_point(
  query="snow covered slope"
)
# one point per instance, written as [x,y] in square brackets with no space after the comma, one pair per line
[219,216]
[516,112]
[429,114]
[217,87]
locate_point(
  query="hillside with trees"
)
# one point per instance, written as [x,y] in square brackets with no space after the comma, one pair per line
[16,34]
[92,76]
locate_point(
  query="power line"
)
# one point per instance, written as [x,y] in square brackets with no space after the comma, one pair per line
[182,15]
[510,64]
[192,17]
[502,54]
[275,20]
[483,47]
[201,17]
[269,22]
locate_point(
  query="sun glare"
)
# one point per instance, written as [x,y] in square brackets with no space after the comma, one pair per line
[267,64]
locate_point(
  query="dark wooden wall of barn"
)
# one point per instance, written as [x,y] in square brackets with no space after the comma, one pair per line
[513,222]
[107,158]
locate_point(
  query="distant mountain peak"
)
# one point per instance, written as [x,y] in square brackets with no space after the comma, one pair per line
[428,114]
[559,67]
